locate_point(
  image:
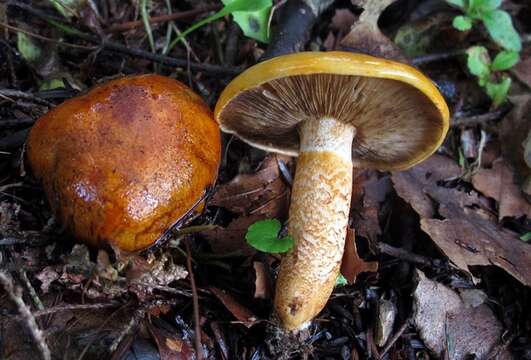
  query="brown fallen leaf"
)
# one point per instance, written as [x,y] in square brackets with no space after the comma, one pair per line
[240,312]
[522,70]
[369,190]
[513,131]
[465,234]
[342,20]
[170,345]
[365,35]
[263,283]
[499,184]
[446,323]
[258,196]
[264,192]
[351,264]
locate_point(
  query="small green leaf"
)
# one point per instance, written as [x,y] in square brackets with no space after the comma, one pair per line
[478,61]
[462,23]
[51,84]
[28,48]
[254,20]
[526,237]
[458,3]
[231,7]
[341,280]
[263,236]
[498,91]
[504,60]
[500,28]
[485,5]
[69,8]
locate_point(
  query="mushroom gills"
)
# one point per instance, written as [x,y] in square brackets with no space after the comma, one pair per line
[318,219]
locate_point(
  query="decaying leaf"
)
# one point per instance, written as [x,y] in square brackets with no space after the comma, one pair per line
[170,345]
[240,312]
[464,233]
[351,264]
[447,325]
[522,70]
[499,183]
[258,196]
[513,131]
[369,190]
[365,35]
[263,283]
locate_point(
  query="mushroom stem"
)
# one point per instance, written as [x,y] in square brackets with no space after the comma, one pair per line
[318,219]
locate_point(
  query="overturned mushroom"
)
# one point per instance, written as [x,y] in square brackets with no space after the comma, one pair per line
[124,162]
[336,111]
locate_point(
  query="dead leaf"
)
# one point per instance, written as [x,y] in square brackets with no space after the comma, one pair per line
[499,184]
[342,20]
[258,196]
[513,131]
[365,35]
[170,345]
[263,193]
[465,235]
[522,70]
[351,264]
[46,276]
[232,238]
[445,323]
[263,284]
[240,312]
[369,190]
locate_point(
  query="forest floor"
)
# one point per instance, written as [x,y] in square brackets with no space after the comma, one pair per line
[437,263]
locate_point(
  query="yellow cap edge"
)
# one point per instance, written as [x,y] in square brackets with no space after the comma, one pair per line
[340,63]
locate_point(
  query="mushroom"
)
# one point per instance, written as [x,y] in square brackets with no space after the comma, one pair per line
[336,111]
[124,162]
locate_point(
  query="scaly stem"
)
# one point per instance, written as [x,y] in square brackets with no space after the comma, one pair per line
[318,219]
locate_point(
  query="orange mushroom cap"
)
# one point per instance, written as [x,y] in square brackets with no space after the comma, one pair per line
[399,115]
[124,162]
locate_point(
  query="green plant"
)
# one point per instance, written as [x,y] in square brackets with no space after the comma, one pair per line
[497,22]
[501,30]
[263,235]
[251,15]
[488,72]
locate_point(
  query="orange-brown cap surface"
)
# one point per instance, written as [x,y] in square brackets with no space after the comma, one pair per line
[125,161]
[399,116]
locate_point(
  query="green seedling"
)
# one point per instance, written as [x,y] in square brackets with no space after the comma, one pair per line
[488,73]
[499,26]
[526,237]
[341,280]
[263,235]
[497,22]
[251,15]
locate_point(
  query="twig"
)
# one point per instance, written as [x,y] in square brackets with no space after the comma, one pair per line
[9,93]
[402,254]
[133,323]
[479,119]
[420,60]
[73,307]
[15,295]
[395,337]
[47,39]
[103,324]
[161,19]
[33,294]
[8,241]
[119,48]
[195,301]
